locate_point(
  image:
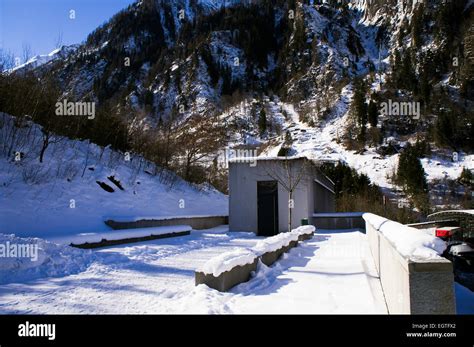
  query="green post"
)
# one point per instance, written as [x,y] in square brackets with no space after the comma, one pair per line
[304,221]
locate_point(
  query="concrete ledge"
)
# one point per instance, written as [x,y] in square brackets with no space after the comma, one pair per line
[305,237]
[196,222]
[431,266]
[412,286]
[104,242]
[228,279]
[270,258]
[333,221]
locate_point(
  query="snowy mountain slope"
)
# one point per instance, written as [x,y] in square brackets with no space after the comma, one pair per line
[62,195]
[323,143]
[294,60]
[42,59]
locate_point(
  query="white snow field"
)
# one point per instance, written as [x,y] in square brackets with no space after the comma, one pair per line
[60,199]
[331,273]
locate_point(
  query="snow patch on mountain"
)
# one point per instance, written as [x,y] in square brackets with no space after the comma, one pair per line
[42,59]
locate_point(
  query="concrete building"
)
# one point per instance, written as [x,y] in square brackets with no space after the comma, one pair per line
[259,193]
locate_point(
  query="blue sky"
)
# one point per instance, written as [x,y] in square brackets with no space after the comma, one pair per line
[37,23]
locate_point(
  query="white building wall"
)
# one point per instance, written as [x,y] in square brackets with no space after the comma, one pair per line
[243,209]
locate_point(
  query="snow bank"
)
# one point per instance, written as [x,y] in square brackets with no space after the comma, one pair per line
[228,260]
[47,260]
[410,242]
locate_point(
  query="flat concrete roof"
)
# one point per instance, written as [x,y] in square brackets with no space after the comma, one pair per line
[244,160]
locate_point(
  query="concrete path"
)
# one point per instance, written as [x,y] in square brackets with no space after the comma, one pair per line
[332,273]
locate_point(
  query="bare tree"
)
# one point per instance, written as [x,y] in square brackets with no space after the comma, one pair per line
[43,113]
[7,60]
[289,173]
[200,139]
[26,52]
[48,138]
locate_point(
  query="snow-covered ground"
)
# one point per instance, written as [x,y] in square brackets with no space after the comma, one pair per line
[61,196]
[332,273]
[158,277]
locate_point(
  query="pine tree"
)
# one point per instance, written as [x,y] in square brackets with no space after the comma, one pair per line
[410,172]
[417,26]
[407,77]
[396,64]
[444,130]
[360,105]
[262,121]
[466,178]
[425,89]
[372,113]
[226,74]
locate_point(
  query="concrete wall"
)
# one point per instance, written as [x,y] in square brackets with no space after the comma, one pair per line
[197,223]
[338,222]
[323,199]
[243,210]
[421,287]
[226,280]
[107,243]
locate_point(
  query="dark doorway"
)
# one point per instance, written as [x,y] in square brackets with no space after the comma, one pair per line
[267,200]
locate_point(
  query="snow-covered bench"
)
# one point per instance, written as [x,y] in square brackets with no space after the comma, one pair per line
[231,268]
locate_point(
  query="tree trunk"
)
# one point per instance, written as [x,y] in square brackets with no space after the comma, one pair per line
[187,169]
[290,209]
[43,149]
